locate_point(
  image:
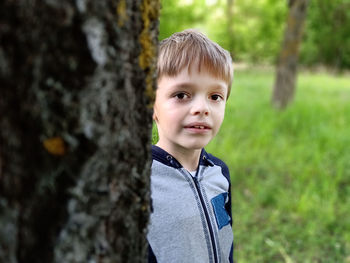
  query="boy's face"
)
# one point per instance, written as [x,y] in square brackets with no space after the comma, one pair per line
[189,109]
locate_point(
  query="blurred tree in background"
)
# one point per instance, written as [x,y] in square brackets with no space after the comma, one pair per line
[290,169]
[258,26]
[286,71]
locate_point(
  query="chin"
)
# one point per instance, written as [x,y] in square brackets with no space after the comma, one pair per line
[196,145]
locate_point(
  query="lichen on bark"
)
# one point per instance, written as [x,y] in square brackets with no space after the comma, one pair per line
[74,152]
[149,51]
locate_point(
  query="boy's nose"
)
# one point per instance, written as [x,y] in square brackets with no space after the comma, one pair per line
[200,107]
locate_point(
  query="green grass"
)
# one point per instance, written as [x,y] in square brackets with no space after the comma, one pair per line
[290,170]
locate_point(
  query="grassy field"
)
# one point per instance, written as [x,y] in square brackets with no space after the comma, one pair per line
[290,170]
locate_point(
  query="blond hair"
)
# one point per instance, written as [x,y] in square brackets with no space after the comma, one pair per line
[185,48]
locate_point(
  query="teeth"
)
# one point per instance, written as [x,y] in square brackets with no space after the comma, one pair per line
[199,127]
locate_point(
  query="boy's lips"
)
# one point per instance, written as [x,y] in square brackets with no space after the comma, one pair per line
[198,126]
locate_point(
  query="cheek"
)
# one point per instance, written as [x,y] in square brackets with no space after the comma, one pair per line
[162,115]
[219,116]
[172,118]
[171,121]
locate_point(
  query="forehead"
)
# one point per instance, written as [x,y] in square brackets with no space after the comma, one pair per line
[193,75]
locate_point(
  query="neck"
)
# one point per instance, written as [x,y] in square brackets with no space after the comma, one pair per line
[189,158]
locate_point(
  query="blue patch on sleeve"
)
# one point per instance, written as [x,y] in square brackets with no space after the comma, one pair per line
[222,217]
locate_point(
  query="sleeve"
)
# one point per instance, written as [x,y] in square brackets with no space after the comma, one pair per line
[228,205]
[150,255]
[228,208]
[226,173]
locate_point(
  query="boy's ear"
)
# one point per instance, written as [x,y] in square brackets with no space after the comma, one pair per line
[154,116]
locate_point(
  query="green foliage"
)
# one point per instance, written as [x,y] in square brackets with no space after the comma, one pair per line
[178,15]
[290,170]
[327,34]
[258,28]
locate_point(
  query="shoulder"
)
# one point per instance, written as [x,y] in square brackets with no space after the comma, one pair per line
[222,164]
[163,157]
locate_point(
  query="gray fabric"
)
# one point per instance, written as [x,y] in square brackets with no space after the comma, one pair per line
[178,230]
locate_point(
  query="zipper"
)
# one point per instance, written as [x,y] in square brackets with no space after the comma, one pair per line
[206,213]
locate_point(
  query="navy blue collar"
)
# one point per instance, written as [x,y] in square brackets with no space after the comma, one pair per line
[166,158]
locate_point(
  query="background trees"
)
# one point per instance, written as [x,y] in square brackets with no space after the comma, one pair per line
[259,27]
[290,169]
[254,30]
[326,39]
[76,83]
[286,71]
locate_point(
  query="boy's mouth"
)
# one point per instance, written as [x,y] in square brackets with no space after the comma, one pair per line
[200,126]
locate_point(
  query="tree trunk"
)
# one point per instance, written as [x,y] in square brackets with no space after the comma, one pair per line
[76,89]
[286,70]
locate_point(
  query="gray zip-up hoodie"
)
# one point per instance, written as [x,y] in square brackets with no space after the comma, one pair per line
[190,213]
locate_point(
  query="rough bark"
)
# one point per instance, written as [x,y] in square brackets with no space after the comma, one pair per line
[286,71]
[76,85]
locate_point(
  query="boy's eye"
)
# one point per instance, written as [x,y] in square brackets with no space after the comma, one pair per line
[216,97]
[181,96]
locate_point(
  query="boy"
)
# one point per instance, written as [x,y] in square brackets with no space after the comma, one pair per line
[190,189]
